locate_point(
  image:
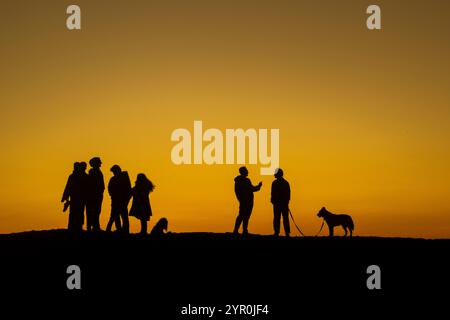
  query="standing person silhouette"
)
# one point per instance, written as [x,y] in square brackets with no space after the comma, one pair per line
[280,197]
[140,207]
[244,190]
[75,195]
[95,195]
[119,188]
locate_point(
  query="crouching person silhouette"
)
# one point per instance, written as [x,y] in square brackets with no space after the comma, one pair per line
[244,189]
[280,197]
[140,207]
[160,227]
[119,188]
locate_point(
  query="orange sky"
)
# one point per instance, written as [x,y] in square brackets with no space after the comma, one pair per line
[363,115]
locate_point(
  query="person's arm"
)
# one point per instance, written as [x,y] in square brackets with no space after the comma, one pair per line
[257,187]
[66,193]
[288,192]
[102,182]
[109,188]
[128,186]
[271,193]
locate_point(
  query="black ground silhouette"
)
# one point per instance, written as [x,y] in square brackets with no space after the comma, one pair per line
[209,268]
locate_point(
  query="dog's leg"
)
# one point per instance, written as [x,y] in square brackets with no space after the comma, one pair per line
[345,229]
[331,230]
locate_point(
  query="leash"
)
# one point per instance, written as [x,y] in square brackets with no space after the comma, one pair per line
[292,217]
[323,222]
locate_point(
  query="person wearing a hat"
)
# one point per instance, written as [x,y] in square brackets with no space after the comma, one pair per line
[280,197]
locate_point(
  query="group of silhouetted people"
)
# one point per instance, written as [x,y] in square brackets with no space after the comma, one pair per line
[84,193]
[280,197]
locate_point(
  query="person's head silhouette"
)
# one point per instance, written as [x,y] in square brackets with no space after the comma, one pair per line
[142,180]
[76,167]
[83,166]
[95,162]
[278,173]
[243,171]
[115,169]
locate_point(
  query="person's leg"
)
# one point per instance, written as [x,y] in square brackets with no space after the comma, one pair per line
[239,219]
[81,216]
[109,225]
[245,224]
[77,211]
[80,221]
[114,218]
[71,225]
[96,215]
[143,226]
[246,219]
[287,227]
[276,219]
[117,222]
[125,222]
[89,216]
[95,221]
[110,222]
[237,224]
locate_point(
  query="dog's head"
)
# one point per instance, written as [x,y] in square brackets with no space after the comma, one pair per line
[322,212]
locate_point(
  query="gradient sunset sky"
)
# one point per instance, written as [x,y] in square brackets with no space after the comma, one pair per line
[364,116]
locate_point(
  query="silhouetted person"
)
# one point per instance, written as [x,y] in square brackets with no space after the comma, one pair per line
[280,197]
[75,196]
[160,227]
[68,194]
[95,195]
[119,188]
[244,189]
[140,207]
